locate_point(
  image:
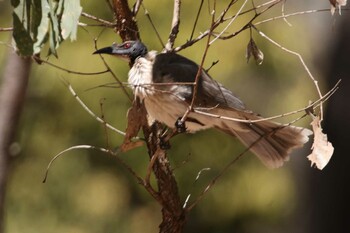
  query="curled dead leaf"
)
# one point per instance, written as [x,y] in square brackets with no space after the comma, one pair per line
[135,121]
[337,3]
[322,149]
[253,50]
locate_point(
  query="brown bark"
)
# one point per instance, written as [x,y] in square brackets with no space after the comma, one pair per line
[126,26]
[12,94]
[173,215]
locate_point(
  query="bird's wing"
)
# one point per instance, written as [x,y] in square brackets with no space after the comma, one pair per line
[171,67]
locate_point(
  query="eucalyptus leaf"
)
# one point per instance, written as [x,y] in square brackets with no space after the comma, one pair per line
[21,36]
[43,28]
[70,19]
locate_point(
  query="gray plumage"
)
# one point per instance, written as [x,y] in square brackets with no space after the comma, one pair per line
[152,79]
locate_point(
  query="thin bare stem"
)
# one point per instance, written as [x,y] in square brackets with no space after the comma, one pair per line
[6,29]
[104,22]
[70,71]
[301,61]
[70,88]
[232,162]
[196,20]
[114,75]
[153,26]
[136,7]
[305,109]
[199,72]
[282,11]
[174,26]
[229,24]
[292,14]
[194,183]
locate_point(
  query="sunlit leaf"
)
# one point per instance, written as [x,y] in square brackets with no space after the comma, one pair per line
[70,19]
[322,149]
[42,29]
[55,38]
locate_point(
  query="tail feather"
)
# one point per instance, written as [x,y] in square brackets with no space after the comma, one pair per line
[270,141]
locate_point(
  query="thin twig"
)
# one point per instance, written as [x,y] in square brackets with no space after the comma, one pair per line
[174,26]
[114,154]
[104,22]
[196,20]
[200,70]
[92,113]
[301,61]
[70,71]
[229,24]
[91,25]
[292,14]
[136,7]
[194,183]
[232,162]
[255,8]
[153,26]
[113,74]
[310,106]
[282,11]
[250,22]
[105,128]
[6,29]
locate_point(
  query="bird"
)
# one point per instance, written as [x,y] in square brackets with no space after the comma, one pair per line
[165,84]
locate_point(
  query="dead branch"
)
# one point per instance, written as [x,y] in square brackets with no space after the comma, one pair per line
[174,25]
[104,22]
[39,60]
[91,113]
[306,68]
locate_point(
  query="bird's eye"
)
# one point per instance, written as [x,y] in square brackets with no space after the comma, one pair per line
[127,45]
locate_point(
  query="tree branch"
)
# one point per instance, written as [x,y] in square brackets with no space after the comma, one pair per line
[174,25]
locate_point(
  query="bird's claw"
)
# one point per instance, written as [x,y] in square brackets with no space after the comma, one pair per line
[180,125]
[164,144]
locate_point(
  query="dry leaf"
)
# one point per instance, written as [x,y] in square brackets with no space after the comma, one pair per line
[335,3]
[322,149]
[252,49]
[135,121]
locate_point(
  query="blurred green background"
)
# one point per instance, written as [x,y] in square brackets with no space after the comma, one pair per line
[88,191]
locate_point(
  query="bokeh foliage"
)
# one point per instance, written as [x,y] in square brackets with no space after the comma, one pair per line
[88,191]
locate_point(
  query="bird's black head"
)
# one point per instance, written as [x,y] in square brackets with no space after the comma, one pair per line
[129,50]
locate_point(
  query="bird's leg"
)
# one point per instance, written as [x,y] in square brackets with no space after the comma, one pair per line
[164,143]
[180,125]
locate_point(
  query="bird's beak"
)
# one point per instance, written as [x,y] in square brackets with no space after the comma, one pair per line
[106,50]
[115,50]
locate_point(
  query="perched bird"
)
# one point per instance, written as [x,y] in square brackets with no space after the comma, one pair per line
[164,82]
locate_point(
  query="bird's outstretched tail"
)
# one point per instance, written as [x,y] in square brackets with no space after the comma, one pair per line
[270,141]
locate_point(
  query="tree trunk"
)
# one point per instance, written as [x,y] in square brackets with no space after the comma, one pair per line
[173,215]
[12,94]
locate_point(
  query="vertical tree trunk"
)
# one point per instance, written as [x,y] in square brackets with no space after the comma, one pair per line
[173,215]
[12,94]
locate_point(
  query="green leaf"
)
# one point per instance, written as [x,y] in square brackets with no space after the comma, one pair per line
[55,38]
[70,19]
[42,30]
[21,36]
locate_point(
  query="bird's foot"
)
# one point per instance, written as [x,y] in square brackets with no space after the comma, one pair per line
[164,143]
[180,125]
